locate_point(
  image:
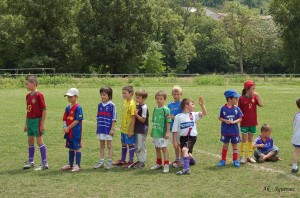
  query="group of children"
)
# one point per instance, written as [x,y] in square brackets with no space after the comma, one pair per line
[176,122]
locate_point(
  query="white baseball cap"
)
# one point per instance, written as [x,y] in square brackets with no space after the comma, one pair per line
[72,92]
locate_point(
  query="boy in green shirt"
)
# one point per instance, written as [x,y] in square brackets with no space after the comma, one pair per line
[161,130]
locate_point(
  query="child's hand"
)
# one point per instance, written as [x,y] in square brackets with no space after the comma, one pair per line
[25,128]
[255,94]
[261,145]
[167,135]
[172,117]
[175,144]
[201,101]
[136,112]
[66,130]
[112,132]
[129,134]
[42,128]
[228,122]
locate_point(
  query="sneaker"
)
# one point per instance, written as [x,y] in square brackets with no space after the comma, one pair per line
[99,165]
[273,159]
[184,172]
[295,170]
[76,168]
[156,166]
[119,163]
[67,167]
[176,164]
[166,168]
[221,163]
[42,167]
[128,165]
[139,165]
[28,165]
[109,166]
[236,163]
[261,160]
[251,160]
[243,160]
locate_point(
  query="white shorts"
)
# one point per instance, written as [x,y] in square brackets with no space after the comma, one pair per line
[159,142]
[171,138]
[102,136]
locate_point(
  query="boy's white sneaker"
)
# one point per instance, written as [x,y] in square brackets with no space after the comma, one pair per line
[156,166]
[42,167]
[76,168]
[166,168]
[99,165]
[28,165]
[243,160]
[251,160]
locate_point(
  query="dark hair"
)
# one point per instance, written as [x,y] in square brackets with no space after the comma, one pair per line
[32,79]
[107,90]
[298,103]
[265,128]
[229,98]
[141,93]
[184,102]
[128,88]
[161,93]
[245,90]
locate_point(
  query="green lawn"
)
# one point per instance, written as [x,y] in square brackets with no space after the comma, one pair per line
[206,179]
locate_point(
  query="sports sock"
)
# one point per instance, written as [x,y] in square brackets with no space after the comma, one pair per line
[31,150]
[158,161]
[235,154]
[43,151]
[124,152]
[71,157]
[101,161]
[295,166]
[250,149]
[78,158]
[186,164]
[131,153]
[109,161]
[166,162]
[224,153]
[243,148]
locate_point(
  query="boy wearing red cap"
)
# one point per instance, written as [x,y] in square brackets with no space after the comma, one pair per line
[247,103]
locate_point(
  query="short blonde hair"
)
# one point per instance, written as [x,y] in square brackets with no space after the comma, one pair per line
[177,88]
[161,93]
[32,79]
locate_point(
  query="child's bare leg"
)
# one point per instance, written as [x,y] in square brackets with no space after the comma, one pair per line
[270,154]
[295,159]
[166,155]
[158,152]
[110,149]
[102,148]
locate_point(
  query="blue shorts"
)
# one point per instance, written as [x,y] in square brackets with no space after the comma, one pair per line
[127,140]
[73,144]
[233,139]
[274,148]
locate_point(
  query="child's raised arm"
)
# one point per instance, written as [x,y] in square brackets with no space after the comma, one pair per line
[203,108]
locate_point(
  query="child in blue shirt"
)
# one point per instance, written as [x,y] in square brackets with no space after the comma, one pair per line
[230,115]
[266,150]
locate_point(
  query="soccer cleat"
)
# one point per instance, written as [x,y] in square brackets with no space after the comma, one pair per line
[42,167]
[139,165]
[76,168]
[183,172]
[243,160]
[128,165]
[166,168]
[156,167]
[99,165]
[119,163]
[236,163]
[221,163]
[67,167]
[295,170]
[261,160]
[251,160]
[28,165]
[109,166]
[176,164]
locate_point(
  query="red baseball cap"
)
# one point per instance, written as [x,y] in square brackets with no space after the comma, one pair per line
[249,83]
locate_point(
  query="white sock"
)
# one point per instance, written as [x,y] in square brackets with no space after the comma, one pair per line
[295,166]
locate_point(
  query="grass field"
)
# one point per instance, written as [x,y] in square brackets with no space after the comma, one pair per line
[206,179]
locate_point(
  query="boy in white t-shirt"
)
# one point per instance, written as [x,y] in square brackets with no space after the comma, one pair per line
[185,126]
[296,139]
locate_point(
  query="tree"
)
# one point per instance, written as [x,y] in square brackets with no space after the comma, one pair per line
[238,23]
[286,15]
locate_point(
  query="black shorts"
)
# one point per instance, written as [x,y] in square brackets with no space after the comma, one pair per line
[188,142]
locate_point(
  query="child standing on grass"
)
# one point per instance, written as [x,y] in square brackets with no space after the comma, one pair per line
[161,131]
[247,103]
[72,126]
[175,109]
[266,150]
[35,122]
[296,139]
[230,115]
[127,128]
[106,119]
[185,127]
[141,128]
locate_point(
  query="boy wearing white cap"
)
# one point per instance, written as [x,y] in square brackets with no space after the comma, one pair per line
[72,126]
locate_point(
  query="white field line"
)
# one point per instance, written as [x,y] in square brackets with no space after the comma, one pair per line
[256,167]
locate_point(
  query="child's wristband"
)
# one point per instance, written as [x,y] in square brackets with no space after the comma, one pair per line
[65,126]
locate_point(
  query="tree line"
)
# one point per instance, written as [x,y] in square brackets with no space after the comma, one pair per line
[148,36]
